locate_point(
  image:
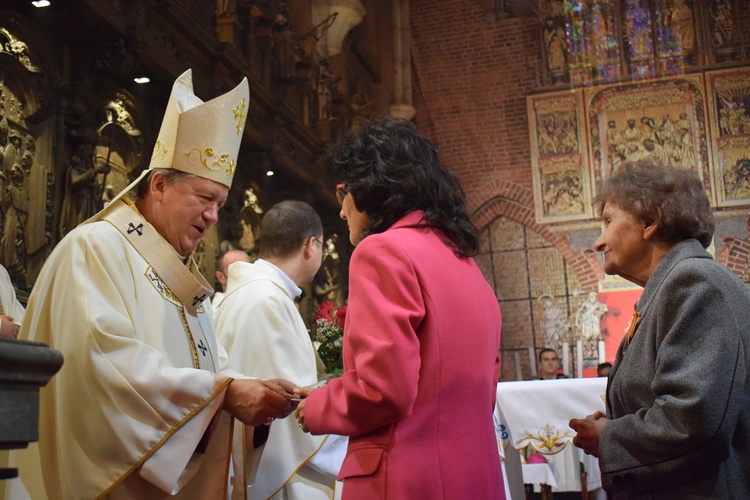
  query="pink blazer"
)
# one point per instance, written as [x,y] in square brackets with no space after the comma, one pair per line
[421,366]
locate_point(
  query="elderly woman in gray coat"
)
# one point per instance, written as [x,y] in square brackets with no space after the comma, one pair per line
[678,395]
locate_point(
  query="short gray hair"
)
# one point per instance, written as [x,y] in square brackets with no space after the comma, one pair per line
[645,187]
[173,176]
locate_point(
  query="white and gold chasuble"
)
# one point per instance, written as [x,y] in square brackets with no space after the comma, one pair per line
[135,410]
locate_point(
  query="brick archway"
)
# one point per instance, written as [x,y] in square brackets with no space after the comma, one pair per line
[501,198]
[735,254]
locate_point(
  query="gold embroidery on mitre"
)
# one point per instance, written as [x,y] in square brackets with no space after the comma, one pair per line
[162,287]
[160,150]
[211,161]
[240,115]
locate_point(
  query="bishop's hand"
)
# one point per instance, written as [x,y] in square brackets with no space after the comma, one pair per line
[256,402]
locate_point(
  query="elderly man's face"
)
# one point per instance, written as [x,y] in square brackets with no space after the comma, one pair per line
[182,212]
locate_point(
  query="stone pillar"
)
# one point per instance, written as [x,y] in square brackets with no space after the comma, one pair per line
[402,97]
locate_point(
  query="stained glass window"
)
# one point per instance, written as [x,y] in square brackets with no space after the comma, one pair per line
[592,39]
[656,35]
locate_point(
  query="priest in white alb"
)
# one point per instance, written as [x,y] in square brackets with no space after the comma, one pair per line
[263,332]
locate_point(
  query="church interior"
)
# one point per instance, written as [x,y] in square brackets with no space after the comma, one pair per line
[529,102]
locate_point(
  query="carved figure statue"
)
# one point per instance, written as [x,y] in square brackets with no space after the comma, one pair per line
[283,46]
[722,30]
[739,179]
[588,321]
[326,88]
[16,216]
[555,42]
[684,26]
[116,112]
[554,323]
[83,190]
[12,150]
[27,157]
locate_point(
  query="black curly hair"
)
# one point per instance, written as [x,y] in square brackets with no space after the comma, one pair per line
[391,170]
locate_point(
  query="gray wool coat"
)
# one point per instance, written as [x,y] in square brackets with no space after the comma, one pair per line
[678,395]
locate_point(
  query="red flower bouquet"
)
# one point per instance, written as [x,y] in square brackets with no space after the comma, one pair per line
[329,335]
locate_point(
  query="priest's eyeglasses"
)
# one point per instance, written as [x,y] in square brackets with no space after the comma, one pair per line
[323,247]
[341,192]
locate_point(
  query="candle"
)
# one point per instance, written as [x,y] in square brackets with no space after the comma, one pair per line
[517,362]
[566,358]
[579,359]
[602,355]
[532,362]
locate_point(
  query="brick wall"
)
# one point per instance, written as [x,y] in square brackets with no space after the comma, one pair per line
[472,75]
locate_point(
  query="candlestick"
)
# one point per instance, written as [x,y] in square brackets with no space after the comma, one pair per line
[517,361]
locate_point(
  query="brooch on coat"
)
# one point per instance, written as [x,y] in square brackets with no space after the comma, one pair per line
[631,330]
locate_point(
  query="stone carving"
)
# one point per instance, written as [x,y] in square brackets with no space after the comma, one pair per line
[11,108]
[684,26]
[83,188]
[117,113]
[554,323]
[556,45]
[17,49]
[18,239]
[283,46]
[722,23]
[588,321]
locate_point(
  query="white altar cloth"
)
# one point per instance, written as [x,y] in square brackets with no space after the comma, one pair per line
[539,474]
[536,413]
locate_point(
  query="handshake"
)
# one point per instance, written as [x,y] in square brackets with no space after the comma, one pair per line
[257,402]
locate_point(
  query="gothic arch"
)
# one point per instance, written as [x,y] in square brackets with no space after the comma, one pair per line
[502,198]
[734,254]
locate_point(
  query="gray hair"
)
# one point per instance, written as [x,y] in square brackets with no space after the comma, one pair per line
[645,187]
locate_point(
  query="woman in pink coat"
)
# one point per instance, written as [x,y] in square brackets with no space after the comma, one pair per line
[422,331]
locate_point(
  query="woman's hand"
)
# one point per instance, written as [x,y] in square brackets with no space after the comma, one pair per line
[299,413]
[589,430]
